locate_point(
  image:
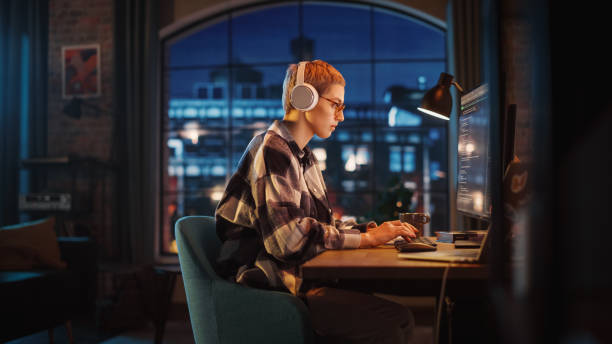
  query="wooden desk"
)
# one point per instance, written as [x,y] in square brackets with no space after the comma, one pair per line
[382,263]
[380,270]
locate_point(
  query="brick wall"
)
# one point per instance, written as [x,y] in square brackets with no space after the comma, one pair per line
[76,22]
[516,69]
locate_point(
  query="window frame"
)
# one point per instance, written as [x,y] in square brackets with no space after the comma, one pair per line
[214,15]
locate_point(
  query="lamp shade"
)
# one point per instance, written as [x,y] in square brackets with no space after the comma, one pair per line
[437,101]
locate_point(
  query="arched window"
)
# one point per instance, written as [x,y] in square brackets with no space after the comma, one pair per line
[222,84]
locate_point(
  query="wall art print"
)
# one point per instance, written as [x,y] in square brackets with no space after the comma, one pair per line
[81,71]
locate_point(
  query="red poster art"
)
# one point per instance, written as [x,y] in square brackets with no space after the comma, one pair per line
[81,71]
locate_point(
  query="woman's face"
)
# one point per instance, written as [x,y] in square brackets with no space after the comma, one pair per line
[324,118]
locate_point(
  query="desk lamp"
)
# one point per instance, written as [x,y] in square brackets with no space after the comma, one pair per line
[438,102]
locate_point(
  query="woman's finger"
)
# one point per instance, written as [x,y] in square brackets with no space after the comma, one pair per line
[411,227]
[408,233]
[403,231]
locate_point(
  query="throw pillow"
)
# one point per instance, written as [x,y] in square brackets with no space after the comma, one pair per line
[30,245]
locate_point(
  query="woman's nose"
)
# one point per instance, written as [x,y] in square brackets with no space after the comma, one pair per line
[340,116]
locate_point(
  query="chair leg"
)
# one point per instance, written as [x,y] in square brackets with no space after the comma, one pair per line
[68,325]
[50,332]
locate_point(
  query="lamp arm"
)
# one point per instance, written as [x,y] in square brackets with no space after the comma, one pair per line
[458,87]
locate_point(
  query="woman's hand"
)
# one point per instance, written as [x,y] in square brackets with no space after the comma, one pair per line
[388,230]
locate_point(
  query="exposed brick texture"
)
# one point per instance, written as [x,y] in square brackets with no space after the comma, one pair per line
[77,22]
[516,69]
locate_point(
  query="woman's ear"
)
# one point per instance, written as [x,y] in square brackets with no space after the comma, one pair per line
[308,116]
[292,116]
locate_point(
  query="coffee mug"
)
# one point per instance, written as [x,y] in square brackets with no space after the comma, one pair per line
[415,219]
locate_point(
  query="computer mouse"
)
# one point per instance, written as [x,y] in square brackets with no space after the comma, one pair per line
[405,246]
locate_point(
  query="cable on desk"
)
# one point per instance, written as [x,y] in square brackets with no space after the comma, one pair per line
[440,300]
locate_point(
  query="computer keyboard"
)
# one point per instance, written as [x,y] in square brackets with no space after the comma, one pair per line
[416,245]
[424,240]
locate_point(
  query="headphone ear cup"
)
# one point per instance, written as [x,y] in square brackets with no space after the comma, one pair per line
[304,97]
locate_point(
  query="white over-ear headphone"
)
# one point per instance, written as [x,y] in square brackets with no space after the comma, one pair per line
[304,96]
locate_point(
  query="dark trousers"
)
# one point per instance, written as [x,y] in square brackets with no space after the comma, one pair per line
[344,316]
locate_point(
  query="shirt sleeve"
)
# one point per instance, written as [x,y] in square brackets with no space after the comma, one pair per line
[288,234]
[352,225]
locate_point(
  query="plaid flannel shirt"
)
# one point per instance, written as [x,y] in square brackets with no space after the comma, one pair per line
[275,215]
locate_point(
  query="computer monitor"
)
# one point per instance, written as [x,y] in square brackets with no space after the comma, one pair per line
[473,155]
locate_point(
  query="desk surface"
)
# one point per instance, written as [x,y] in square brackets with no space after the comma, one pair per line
[382,263]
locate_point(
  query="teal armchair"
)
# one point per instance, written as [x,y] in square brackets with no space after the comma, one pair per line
[226,312]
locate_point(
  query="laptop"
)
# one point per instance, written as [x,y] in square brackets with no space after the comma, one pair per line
[463,255]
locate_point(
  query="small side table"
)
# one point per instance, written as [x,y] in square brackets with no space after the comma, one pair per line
[117,282]
[155,286]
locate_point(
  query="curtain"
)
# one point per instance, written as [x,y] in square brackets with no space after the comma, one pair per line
[464,25]
[23,97]
[464,41]
[136,131]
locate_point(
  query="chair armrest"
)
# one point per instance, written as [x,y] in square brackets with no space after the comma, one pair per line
[79,253]
[262,316]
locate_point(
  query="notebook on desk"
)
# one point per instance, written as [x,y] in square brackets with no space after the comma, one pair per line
[452,256]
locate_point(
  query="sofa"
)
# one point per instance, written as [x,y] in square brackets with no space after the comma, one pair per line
[37,293]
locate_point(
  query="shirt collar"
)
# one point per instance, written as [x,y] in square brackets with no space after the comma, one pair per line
[305,155]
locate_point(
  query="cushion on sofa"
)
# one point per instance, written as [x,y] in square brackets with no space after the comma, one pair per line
[30,245]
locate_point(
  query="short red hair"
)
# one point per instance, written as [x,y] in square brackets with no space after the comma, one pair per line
[320,74]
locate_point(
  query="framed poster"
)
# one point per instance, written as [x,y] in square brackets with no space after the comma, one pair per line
[81,71]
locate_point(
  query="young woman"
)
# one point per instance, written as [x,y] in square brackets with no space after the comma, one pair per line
[275,215]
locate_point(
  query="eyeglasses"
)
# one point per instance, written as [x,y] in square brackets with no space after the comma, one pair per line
[339,106]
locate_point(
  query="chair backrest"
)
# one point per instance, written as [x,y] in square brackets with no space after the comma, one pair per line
[199,238]
[225,312]
[198,246]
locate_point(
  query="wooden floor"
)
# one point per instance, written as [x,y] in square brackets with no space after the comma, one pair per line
[178,330]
